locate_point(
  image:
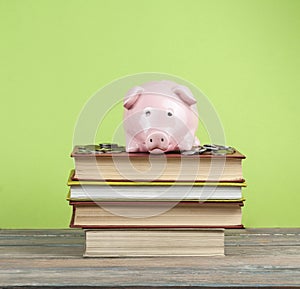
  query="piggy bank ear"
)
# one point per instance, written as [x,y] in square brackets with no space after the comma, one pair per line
[184,94]
[132,96]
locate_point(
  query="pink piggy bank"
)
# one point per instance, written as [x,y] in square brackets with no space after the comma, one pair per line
[160,116]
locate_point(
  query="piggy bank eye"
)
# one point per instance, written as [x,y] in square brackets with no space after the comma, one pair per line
[170,113]
[147,112]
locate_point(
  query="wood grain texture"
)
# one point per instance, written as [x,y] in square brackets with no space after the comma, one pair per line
[254,257]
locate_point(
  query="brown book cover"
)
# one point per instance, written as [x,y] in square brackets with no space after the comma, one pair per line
[165,167]
[186,214]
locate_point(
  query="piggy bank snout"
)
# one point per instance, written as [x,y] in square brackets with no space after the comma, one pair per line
[157,142]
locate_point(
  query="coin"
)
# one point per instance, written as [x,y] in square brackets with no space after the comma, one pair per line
[96,152]
[92,147]
[83,152]
[222,152]
[200,149]
[211,147]
[108,145]
[189,153]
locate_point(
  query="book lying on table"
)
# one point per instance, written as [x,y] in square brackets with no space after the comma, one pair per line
[184,214]
[125,190]
[154,242]
[161,192]
[165,167]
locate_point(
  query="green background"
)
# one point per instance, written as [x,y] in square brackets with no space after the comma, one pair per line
[244,55]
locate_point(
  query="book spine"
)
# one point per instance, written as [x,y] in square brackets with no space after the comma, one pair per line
[73,218]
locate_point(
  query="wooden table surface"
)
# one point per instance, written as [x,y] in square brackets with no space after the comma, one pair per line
[49,258]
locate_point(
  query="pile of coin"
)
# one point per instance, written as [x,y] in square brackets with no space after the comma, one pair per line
[100,149]
[213,149]
[113,148]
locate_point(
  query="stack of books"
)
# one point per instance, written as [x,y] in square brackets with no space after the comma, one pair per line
[138,204]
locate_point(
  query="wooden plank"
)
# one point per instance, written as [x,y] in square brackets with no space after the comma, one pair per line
[254,257]
[146,272]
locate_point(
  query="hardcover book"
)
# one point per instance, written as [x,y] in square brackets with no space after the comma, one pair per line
[165,167]
[157,190]
[140,214]
[154,242]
